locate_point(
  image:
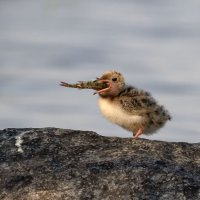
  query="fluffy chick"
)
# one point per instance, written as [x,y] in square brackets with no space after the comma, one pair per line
[131,108]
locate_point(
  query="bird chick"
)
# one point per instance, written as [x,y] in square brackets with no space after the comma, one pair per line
[131,108]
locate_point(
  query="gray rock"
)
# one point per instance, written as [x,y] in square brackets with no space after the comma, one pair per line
[51,163]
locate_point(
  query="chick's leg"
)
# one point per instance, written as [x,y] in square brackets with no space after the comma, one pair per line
[139,132]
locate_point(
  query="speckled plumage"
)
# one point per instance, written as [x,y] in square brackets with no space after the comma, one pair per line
[131,108]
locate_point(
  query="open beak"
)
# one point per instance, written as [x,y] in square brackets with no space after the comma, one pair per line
[103,81]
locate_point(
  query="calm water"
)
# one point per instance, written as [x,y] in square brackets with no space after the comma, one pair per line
[155,44]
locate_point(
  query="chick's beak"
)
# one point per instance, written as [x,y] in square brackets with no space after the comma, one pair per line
[104,81]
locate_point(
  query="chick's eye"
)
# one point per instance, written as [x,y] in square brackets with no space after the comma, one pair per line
[114,79]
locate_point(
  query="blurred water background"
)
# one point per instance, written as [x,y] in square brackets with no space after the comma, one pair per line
[155,44]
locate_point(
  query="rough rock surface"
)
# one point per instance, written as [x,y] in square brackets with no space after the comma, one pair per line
[51,163]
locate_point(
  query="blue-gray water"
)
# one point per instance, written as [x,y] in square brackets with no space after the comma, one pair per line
[155,44]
